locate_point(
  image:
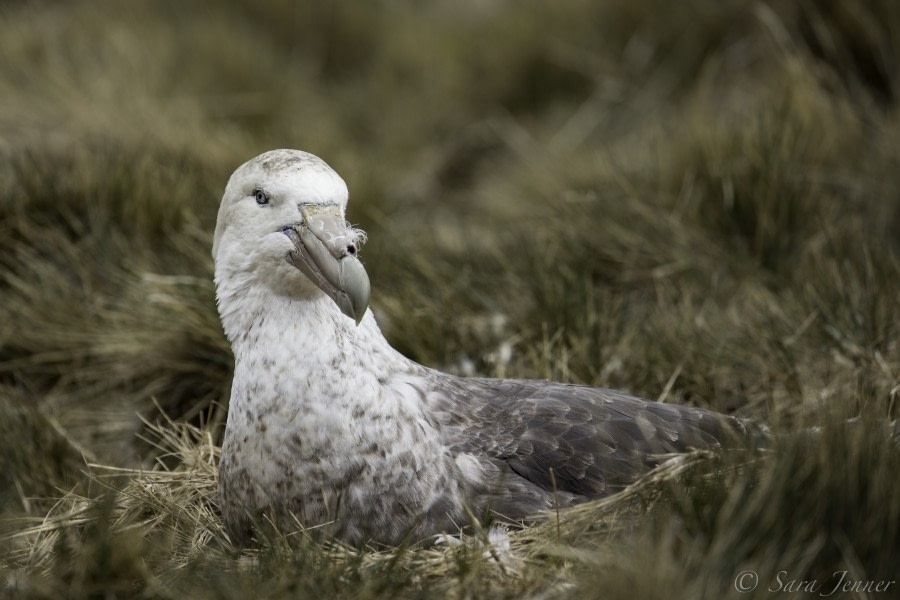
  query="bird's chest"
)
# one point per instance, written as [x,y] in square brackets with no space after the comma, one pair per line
[305,445]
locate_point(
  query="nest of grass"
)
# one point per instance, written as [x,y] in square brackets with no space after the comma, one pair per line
[173,504]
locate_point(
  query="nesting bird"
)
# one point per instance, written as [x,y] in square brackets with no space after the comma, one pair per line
[327,423]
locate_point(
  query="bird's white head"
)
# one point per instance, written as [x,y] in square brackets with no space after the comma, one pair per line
[281,226]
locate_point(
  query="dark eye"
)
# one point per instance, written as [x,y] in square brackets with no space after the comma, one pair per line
[261,198]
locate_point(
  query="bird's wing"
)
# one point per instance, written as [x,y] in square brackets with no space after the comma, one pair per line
[595,440]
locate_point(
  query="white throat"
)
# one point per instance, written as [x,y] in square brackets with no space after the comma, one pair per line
[301,333]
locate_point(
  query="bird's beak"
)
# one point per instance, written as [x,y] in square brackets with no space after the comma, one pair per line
[325,249]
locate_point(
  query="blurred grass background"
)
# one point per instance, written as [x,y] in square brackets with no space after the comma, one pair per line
[698,201]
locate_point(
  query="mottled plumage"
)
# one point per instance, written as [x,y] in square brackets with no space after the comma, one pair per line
[329,424]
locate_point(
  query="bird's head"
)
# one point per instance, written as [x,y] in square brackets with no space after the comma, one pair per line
[281,224]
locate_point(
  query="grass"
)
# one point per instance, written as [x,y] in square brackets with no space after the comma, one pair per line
[696,201]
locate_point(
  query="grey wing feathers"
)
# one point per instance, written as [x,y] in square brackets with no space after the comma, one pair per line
[597,441]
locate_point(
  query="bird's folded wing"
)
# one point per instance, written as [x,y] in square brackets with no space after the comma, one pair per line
[595,440]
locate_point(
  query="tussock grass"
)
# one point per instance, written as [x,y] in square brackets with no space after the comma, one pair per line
[697,202]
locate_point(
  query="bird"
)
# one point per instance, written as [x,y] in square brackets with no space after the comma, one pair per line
[330,428]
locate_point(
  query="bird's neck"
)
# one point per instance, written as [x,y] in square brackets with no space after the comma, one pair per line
[300,336]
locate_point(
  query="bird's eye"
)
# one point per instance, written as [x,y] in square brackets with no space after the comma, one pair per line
[261,198]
